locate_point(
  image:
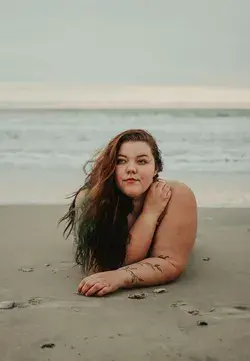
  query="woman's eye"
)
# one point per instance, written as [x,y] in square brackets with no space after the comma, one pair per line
[120,161]
[142,161]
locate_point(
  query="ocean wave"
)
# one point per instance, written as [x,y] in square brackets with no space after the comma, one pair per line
[68,139]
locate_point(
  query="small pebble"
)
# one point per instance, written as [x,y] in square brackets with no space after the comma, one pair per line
[26,269]
[206,258]
[48,345]
[7,305]
[174,304]
[160,290]
[241,308]
[202,323]
[35,301]
[47,265]
[193,312]
[212,309]
[137,296]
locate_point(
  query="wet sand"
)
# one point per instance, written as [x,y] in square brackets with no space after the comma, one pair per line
[159,327]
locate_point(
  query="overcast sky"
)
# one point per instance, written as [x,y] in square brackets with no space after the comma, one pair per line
[126,41]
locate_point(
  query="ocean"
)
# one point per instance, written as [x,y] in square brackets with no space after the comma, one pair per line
[42,152]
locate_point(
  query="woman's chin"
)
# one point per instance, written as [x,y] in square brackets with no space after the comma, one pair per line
[132,194]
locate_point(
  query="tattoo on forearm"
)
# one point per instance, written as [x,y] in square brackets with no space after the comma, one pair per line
[153,266]
[135,278]
[158,267]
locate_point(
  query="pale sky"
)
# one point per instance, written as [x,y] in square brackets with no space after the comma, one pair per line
[169,42]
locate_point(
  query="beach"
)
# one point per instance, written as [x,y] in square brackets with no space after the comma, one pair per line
[214,289]
[204,316]
[74,75]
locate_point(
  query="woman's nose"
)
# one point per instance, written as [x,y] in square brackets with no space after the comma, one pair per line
[131,167]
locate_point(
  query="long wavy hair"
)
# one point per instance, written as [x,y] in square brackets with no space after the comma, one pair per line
[102,232]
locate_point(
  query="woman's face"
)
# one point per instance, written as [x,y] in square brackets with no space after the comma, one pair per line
[135,168]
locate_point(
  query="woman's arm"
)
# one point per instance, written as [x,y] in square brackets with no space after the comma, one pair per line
[173,242]
[140,238]
[142,233]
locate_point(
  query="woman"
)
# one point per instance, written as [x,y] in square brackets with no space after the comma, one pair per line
[131,228]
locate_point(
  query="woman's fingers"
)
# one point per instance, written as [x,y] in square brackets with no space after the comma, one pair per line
[81,284]
[86,285]
[95,288]
[105,290]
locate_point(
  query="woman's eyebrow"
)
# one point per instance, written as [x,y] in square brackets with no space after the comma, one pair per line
[138,156]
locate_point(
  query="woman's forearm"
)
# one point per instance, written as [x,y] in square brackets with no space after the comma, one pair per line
[150,271]
[141,235]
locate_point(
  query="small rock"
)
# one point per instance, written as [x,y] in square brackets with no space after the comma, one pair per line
[137,296]
[241,308]
[159,290]
[47,265]
[21,304]
[174,304]
[202,323]
[7,305]
[35,301]
[193,312]
[54,270]
[206,258]
[212,309]
[26,269]
[48,345]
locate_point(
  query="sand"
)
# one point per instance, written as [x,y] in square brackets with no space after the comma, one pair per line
[117,328]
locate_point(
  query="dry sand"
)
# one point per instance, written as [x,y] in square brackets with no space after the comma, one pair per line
[158,327]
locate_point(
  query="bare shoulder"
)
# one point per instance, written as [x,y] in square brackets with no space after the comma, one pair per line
[181,192]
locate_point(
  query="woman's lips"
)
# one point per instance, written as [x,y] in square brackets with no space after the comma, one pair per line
[131,180]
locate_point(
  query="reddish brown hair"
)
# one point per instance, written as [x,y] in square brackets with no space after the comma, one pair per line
[103,230]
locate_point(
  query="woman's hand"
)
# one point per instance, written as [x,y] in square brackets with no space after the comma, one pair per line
[157,198]
[99,284]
